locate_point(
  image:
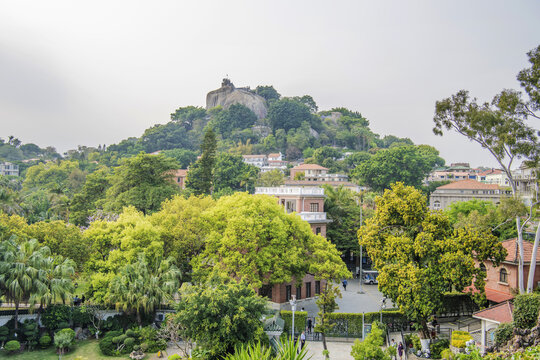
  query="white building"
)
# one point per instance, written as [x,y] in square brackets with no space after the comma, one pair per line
[7,168]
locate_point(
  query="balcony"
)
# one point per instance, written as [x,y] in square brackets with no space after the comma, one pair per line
[313,216]
[289,190]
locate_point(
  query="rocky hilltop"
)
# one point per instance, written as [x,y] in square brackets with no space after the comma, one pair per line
[228,95]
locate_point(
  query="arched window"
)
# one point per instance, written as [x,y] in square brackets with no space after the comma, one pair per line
[436,204]
[503,276]
[483,267]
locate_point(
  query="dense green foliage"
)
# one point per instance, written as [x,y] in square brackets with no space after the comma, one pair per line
[526,308]
[420,256]
[220,316]
[504,333]
[371,347]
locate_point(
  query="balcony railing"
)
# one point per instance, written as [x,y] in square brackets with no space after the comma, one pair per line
[313,216]
[289,190]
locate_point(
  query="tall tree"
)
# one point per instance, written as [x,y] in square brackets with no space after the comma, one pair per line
[233,174]
[405,163]
[21,271]
[530,80]
[252,238]
[141,287]
[500,128]
[143,181]
[200,178]
[420,256]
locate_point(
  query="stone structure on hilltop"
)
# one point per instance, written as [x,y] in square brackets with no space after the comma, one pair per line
[228,95]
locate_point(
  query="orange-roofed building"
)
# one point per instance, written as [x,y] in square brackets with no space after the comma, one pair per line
[179,177]
[311,171]
[464,190]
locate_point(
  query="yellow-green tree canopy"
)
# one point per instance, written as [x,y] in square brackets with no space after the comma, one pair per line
[419,255]
[252,238]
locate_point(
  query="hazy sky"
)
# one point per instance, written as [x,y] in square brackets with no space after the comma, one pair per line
[96,72]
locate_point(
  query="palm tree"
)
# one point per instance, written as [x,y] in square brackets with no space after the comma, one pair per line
[56,274]
[141,287]
[21,267]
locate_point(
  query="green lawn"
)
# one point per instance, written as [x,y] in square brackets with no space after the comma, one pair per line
[88,350]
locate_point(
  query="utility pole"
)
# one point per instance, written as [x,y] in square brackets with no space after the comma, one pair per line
[361,289]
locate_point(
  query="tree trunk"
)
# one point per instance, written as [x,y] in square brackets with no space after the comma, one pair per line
[532,266]
[16,314]
[139,320]
[39,314]
[325,349]
[520,256]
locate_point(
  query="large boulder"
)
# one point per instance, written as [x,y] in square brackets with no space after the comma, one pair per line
[228,95]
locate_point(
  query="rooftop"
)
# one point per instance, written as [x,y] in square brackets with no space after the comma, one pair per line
[511,247]
[180,172]
[500,313]
[309,167]
[468,185]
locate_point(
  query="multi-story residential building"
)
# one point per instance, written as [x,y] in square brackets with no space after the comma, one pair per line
[335,184]
[308,203]
[464,190]
[9,169]
[266,162]
[180,177]
[256,160]
[526,179]
[311,172]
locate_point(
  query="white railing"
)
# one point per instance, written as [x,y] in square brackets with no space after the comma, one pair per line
[289,190]
[313,216]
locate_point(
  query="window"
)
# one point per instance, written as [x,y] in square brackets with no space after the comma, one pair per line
[290,206]
[317,230]
[317,287]
[288,292]
[266,291]
[437,204]
[314,207]
[308,289]
[483,267]
[299,292]
[503,276]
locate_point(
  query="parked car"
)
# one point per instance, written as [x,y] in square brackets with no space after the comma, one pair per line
[370,277]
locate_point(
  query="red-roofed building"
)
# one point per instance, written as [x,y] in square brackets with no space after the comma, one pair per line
[491,318]
[464,190]
[502,281]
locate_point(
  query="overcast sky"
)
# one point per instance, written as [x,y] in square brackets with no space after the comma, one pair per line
[96,72]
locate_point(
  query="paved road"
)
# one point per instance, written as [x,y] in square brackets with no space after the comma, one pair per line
[351,301]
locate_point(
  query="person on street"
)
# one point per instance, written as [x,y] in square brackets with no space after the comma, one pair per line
[309,325]
[302,340]
[400,350]
[345,284]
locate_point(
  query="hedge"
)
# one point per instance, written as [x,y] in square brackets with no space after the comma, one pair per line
[526,310]
[300,320]
[460,338]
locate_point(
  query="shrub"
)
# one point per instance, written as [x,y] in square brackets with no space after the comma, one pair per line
[150,340]
[64,340]
[45,341]
[504,333]
[300,320]
[12,346]
[447,354]
[31,333]
[438,347]
[56,317]
[526,310]
[414,340]
[174,357]
[4,333]
[106,344]
[131,333]
[460,338]
[128,344]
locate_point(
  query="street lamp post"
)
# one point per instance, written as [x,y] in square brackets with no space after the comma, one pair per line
[360,289]
[293,308]
[383,306]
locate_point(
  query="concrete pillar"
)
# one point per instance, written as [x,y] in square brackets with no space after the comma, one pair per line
[483,348]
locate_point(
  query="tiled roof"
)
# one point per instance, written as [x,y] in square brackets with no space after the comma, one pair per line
[468,185]
[500,313]
[253,156]
[180,172]
[274,155]
[309,167]
[490,172]
[511,247]
[497,296]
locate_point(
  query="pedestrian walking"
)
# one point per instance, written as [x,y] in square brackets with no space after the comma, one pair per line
[302,340]
[394,346]
[400,350]
[309,325]
[344,282]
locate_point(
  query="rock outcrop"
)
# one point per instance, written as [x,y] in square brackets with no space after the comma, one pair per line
[228,95]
